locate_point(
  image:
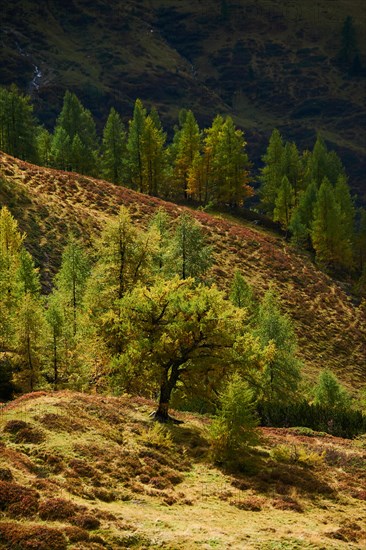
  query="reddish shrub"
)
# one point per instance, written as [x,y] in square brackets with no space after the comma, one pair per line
[104,495]
[13,426]
[287,503]
[31,537]
[82,468]
[160,483]
[57,509]
[86,521]
[29,435]
[75,534]
[6,474]
[18,500]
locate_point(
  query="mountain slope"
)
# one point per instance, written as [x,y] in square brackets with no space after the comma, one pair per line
[90,472]
[331,329]
[268,64]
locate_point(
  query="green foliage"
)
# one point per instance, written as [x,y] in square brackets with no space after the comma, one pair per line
[113,148]
[190,256]
[330,393]
[281,374]
[134,146]
[272,172]
[330,237]
[17,125]
[75,143]
[241,294]
[186,145]
[233,430]
[297,455]
[284,203]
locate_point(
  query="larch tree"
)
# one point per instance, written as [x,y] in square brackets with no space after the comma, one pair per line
[18,128]
[153,157]
[281,373]
[272,172]
[173,331]
[71,281]
[75,152]
[302,217]
[284,204]
[190,255]
[329,236]
[134,146]
[113,148]
[186,146]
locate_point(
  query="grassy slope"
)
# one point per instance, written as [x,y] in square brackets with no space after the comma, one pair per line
[122,487]
[331,329]
[272,64]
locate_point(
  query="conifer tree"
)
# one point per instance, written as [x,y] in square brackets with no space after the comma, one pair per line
[18,128]
[329,237]
[284,203]
[71,281]
[272,172]
[281,374]
[348,213]
[44,146]
[56,338]
[134,146]
[330,393]
[114,148]
[186,146]
[161,224]
[69,150]
[232,166]
[302,217]
[241,294]
[190,256]
[153,157]
[321,164]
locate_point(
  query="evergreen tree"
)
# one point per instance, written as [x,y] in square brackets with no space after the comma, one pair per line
[187,144]
[29,338]
[190,256]
[44,147]
[361,240]
[293,168]
[348,213]
[329,237]
[71,280]
[281,374]
[284,203]
[321,164]
[329,392]
[75,144]
[153,157]
[302,216]
[241,294]
[161,224]
[18,129]
[113,148]
[233,430]
[61,149]
[134,146]
[272,172]
[232,166]
[56,340]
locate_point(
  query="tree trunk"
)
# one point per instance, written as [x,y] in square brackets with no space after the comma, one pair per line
[166,388]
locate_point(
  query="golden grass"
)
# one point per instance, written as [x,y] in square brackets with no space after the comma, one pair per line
[105,490]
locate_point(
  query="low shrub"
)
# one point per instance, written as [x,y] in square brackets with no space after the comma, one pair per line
[13,426]
[86,521]
[6,474]
[75,534]
[31,537]
[287,503]
[297,455]
[18,501]
[57,509]
[29,435]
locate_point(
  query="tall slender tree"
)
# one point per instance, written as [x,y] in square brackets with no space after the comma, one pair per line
[114,148]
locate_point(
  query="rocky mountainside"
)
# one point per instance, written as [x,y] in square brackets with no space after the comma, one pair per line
[330,327]
[267,63]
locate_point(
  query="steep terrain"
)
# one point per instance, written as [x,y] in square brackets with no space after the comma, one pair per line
[92,472]
[331,328]
[267,63]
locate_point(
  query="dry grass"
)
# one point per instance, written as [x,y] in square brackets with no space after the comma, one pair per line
[82,487]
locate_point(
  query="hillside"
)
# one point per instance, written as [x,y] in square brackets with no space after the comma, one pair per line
[268,64]
[92,472]
[331,328]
